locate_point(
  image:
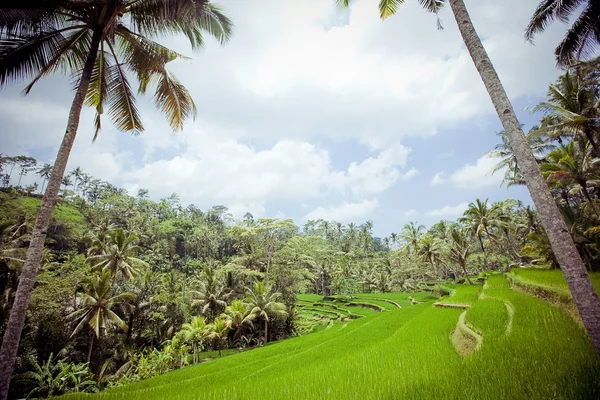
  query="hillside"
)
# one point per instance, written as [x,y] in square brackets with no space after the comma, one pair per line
[513,346]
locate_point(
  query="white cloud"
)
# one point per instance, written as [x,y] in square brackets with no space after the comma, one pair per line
[448,211]
[476,175]
[472,176]
[438,178]
[411,173]
[375,174]
[225,170]
[411,213]
[345,211]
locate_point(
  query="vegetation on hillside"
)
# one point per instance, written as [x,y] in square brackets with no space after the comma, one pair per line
[129,288]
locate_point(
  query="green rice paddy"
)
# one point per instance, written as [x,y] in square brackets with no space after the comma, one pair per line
[530,350]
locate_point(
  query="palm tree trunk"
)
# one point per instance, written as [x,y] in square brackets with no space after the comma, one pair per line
[592,141]
[266,331]
[586,193]
[464,268]
[568,258]
[12,335]
[483,250]
[89,357]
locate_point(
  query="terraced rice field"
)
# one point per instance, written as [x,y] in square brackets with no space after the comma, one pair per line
[550,279]
[529,350]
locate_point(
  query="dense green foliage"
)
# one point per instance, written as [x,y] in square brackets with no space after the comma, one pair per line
[131,288]
[405,353]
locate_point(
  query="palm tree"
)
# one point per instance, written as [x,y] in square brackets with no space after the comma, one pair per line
[264,304]
[45,171]
[236,313]
[572,164]
[580,285]
[115,254]
[479,219]
[102,43]
[212,295]
[411,233]
[583,35]
[394,238]
[429,250]
[195,333]
[508,162]
[66,181]
[572,110]
[218,332]
[77,173]
[460,249]
[96,305]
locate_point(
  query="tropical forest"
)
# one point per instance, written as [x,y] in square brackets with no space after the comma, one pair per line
[184,278]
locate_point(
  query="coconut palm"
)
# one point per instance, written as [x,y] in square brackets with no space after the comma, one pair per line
[572,110]
[195,332]
[264,304]
[480,219]
[460,249]
[429,250]
[583,36]
[115,254]
[217,332]
[76,173]
[102,43]
[66,181]
[212,296]
[508,162]
[45,171]
[236,313]
[570,164]
[411,233]
[580,285]
[96,305]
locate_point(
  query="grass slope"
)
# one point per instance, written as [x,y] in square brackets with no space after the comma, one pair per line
[404,353]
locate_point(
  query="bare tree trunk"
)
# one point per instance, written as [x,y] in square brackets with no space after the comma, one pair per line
[564,249]
[91,347]
[12,335]
[586,193]
[464,268]
[266,331]
[485,260]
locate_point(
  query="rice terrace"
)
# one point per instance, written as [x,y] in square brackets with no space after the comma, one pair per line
[205,199]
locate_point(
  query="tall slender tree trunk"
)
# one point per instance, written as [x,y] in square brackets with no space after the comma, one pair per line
[586,193]
[464,268]
[91,347]
[485,261]
[266,331]
[564,249]
[592,141]
[12,334]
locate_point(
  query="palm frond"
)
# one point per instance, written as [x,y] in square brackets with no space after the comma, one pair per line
[21,58]
[387,8]
[98,88]
[158,17]
[121,101]
[173,99]
[582,38]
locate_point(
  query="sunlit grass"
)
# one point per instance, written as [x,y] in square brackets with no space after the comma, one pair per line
[552,279]
[405,353]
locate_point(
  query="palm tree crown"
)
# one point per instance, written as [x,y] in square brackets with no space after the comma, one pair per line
[116,254]
[97,304]
[41,37]
[583,36]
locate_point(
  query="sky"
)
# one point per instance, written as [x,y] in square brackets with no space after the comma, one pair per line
[311,112]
